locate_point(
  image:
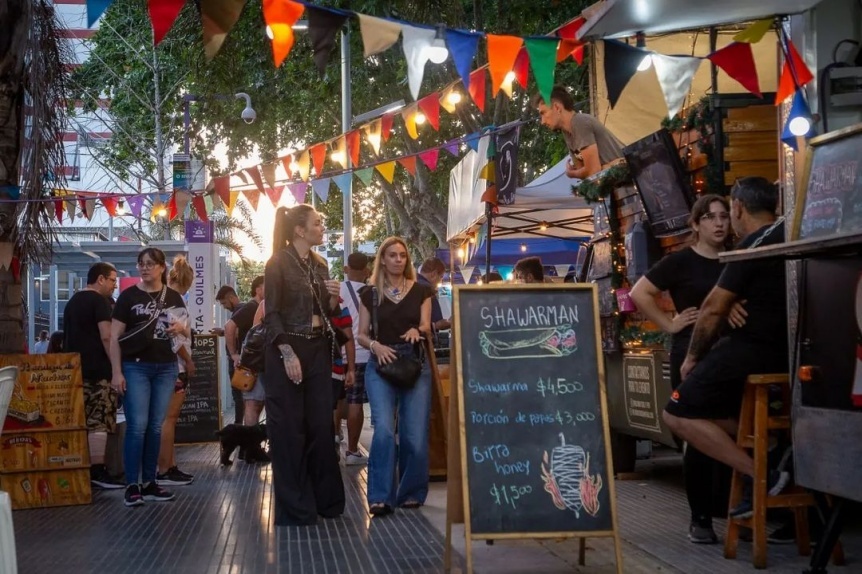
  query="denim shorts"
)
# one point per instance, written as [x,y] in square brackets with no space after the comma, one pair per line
[257,392]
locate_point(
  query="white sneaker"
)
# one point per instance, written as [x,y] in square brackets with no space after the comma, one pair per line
[339,438]
[355,459]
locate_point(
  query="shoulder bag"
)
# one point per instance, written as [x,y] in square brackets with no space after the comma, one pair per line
[136,342]
[253,346]
[404,371]
[243,379]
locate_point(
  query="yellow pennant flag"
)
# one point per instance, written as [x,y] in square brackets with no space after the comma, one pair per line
[755,32]
[304,163]
[373,132]
[387,170]
[409,116]
[487,172]
[229,207]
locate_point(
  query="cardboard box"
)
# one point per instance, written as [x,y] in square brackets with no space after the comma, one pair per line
[48,488]
[48,395]
[43,450]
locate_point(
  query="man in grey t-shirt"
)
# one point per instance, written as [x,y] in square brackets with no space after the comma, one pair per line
[591,145]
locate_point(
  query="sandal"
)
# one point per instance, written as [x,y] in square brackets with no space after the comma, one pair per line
[411,504]
[379,509]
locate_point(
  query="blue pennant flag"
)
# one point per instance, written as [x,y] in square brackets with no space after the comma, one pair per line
[95,8]
[472,140]
[343,182]
[462,47]
[321,187]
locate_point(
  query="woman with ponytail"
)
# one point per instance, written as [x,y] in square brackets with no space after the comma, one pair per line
[300,298]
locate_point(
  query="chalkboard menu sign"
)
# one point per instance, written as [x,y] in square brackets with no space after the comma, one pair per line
[200,416]
[534,432]
[831,203]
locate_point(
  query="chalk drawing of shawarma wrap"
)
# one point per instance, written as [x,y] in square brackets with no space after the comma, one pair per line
[522,343]
[568,480]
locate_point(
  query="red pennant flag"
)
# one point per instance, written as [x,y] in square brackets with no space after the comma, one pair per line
[430,106]
[571,48]
[255,177]
[286,161]
[578,55]
[477,87]
[58,210]
[318,157]
[794,74]
[274,194]
[386,125]
[353,144]
[222,188]
[163,13]
[570,29]
[253,197]
[522,67]
[429,158]
[409,164]
[200,205]
[110,204]
[172,207]
[737,60]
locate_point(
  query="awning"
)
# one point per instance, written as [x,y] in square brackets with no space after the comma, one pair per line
[624,18]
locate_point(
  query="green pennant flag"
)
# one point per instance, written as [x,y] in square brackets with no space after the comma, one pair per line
[365,175]
[543,60]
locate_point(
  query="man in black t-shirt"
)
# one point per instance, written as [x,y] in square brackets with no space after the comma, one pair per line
[703,409]
[87,331]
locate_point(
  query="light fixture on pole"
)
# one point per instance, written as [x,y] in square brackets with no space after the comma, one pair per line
[437,51]
[647,61]
[799,121]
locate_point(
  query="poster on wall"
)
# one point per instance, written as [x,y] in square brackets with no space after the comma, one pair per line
[201,301]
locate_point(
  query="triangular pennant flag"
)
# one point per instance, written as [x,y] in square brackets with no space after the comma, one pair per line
[674,74]
[502,52]
[578,55]
[415,42]
[218,17]
[522,68]
[798,109]
[409,164]
[183,199]
[463,46]
[323,26]
[318,157]
[570,29]
[755,32]
[303,163]
[477,87]
[214,202]
[268,171]
[254,173]
[321,188]
[136,204]
[453,148]
[228,207]
[343,181]
[565,48]
[353,144]
[110,204]
[90,210]
[543,59]
[298,191]
[409,115]
[58,210]
[241,174]
[447,102]
[172,207]
[386,126]
[95,8]
[339,151]
[737,61]
[280,16]
[70,209]
[252,196]
[7,253]
[562,270]
[274,194]
[794,74]
[621,63]
[365,175]
[387,170]
[472,140]
[163,13]
[467,272]
[372,134]
[286,161]
[200,205]
[377,34]
[487,172]
[429,158]
[222,187]
[430,106]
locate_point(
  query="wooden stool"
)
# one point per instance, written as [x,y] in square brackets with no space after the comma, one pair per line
[755,423]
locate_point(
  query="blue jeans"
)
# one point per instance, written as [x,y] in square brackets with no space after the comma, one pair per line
[411,452]
[149,388]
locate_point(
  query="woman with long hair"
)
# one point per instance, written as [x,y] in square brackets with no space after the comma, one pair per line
[300,298]
[144,370]
[180,279]
[689,275]
[403,309]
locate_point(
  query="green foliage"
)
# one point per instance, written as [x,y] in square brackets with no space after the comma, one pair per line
[245,274]
[595,190]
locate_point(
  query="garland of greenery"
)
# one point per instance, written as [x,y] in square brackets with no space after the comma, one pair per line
[701,117]
[595,190]
[635,336]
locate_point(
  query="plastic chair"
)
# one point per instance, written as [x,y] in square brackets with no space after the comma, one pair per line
[8,376]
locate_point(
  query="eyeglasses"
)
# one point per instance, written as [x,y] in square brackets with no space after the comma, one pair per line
[147,265]
[713,216]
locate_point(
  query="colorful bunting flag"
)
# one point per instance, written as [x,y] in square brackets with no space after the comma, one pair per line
[377,34]
[570,29]
[429,158]
[13,191]
[268,171]
[365,175]
[472,140]
[543,59]
[453,148]
[339,151]
[430,106]
[522,68]
[372,134]
[353,144]
[323,26]
[794,74]
[487,172]
[95,9]
[409,163]
[110,204]
[298,190]
[70,209]
[415,43]
[286,161]
[253,197]
[318,157]
[387,170]
[172,207]
[183,198]
[621,63]
[321,187]
[254,173]
[200,205]
[463,46]
[343,181]
[280,16]
[228,206]
[502,52]
[675,75]
[477,87]
[409,115]
[222,188]
[58,210]
[136,204]
[217,17]
[163,13]
[755,32]
[737,61]
[274,194]
[303,163]
[386,126]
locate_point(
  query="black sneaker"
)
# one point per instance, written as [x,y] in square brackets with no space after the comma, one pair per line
[133,495]
[701,532]
[785,534]
[155,493]
[174,477]
[775,482]
[100,477]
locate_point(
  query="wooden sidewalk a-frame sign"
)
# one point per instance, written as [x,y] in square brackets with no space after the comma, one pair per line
[534,444]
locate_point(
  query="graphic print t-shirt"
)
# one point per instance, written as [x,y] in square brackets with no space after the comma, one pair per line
[135,306]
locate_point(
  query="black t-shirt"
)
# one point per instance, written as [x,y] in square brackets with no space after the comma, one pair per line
[688,277]
[81,318]
[763,285]
[243,318]
[394,319]
[134,307]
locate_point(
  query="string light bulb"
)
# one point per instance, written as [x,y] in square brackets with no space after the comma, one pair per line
[462,253]
[510,77]
[419,118]
[161,211]
[454,97]
[543,226]
[337,156]
[121,207]
[523,247]
[437,51]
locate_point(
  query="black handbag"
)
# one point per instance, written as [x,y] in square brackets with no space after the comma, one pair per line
[252,354]
[134,343]
[404,371]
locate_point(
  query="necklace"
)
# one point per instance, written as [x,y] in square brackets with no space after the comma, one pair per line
[397,293]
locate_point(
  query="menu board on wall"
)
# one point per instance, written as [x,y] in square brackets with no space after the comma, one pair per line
[200,416]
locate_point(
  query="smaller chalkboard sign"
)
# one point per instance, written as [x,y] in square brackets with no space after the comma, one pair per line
[831,201]
[200,416]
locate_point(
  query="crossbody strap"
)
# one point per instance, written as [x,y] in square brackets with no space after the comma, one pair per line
[353,295]
[154,317]
[375,300]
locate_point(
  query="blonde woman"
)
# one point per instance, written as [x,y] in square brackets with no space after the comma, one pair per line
[403,309]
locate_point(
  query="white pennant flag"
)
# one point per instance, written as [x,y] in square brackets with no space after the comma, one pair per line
[562,270]
[675,74]
[416,42]
[467,272]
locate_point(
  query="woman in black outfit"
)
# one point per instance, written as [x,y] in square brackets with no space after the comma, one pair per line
[689,275]
[300,298]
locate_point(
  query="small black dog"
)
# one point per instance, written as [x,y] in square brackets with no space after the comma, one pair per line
[248,439]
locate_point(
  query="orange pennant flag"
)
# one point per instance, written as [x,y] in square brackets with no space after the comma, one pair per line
[255,177]
[386,126]
[430,106]
[566,48]
[409,164]
[502,53]
[794,74]
[477,87]
[303,164]
[353,147]
[409,115]
[228,206]
[279,16]
[222,188]
[253,197]
[110,204]
[318,157]
[200,205]
[286,161]
[387,170]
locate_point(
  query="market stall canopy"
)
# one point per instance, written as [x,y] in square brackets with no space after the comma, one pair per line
[624,18]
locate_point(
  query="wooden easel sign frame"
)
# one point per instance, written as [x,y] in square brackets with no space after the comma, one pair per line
[532,416]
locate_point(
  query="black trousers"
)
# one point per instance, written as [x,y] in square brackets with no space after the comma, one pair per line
[305,471]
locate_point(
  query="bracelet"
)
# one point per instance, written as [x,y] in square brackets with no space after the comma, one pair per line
[371,347]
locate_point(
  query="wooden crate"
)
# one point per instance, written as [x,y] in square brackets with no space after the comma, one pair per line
[48,395]
[48,488]
[43,450]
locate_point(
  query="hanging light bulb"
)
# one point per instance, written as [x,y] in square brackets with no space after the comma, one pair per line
[337,156]
[454,97]
[510,77]
[462,253]
[437,51]
[523,247]
[543,226]
[121,207]
[161,211]
[419,118]
[647,61]
[294,167]
[799,121]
